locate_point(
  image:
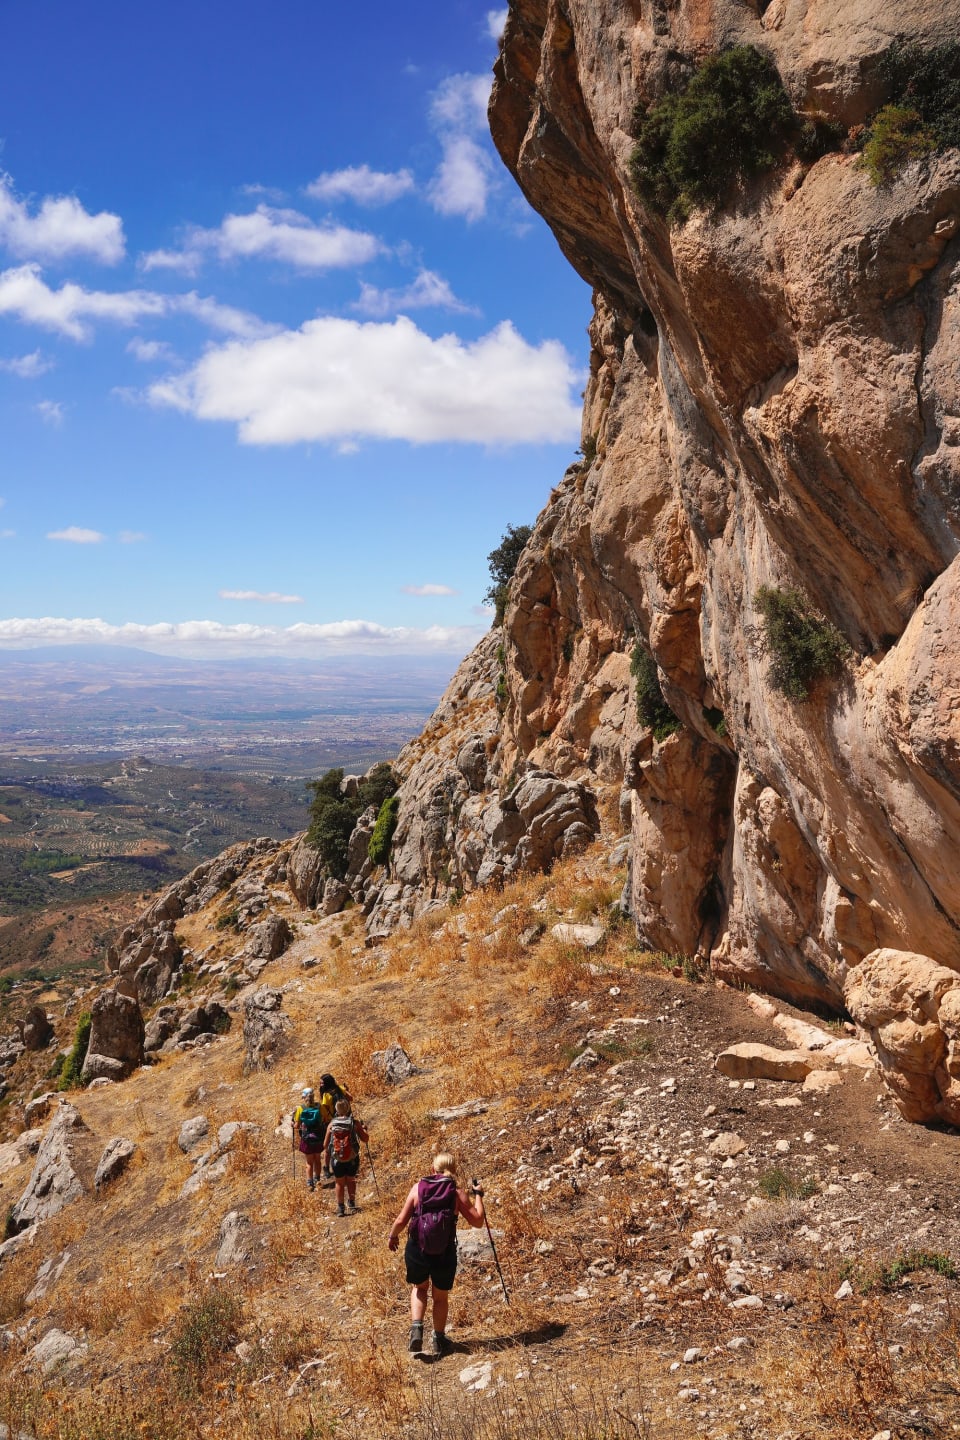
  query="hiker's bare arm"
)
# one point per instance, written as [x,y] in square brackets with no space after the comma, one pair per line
[403,1218]
[472,1212]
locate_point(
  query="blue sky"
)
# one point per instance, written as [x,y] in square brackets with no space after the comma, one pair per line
[282,348]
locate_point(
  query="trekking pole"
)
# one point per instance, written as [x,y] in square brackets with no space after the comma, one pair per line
[372,1171]
[293,1149]
[496,1261]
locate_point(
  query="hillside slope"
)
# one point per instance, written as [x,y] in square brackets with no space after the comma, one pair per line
[640,1201]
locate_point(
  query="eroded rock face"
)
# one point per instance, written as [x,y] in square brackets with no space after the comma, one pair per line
[264,1028]
[773,400]
[54,1182]
[116,1037]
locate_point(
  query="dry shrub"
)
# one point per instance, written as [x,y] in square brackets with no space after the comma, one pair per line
[530,1404]
[354,1062]
[17,1278]
[846,1368]
[246,1152]
[404,1133]
[562,969]
[100,1308]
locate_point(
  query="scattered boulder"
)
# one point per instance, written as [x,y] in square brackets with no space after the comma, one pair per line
[114,1160]
[57,1351]
[264,1028]
[192,1132]
[47,1276]
[160,1028]
[764,1062]
[305,873]
[116,1037]
[36,1028]
[394,1064]
[209,1018]
[54,1182]
[38,1108]
[460,1112]
[585,1060]
[588,937]
[727,1145]
[820,1080]
[234,1240]
[268,939]
[335,896]
[910,1006]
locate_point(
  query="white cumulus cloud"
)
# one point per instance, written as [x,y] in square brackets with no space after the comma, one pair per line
[465,176]
[77,535]
[268,597]
[7,534]
[361,184]
[428,291]
[428,590]
[69,310]
[150,350]
[27,367]
[496,19]
[461,185]
[338,380]
[72,309]
[59,228]
[270,234]
[51,412]
[461,101]
[205,637]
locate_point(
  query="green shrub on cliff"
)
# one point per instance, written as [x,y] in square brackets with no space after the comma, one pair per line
[653,712]
[897,136]
[503,562]
[70,1071]
[802,646]
[730,124]
[923,109]
[333,815]
[382,837]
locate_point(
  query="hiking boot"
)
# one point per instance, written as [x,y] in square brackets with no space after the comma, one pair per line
[311,1183]
[442,1344]
[327,1173]
[416,1339]
[341,1210]
[352,1206]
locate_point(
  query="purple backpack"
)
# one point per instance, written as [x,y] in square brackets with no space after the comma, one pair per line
[435,1216]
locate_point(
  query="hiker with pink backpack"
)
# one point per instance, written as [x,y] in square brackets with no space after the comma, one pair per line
[431,1209]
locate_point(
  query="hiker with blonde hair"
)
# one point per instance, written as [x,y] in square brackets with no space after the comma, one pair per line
[309,1130]
[344,1134]
[431,1209]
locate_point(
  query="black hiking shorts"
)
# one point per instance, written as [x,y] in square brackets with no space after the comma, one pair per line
[441,1269]
[342,1168]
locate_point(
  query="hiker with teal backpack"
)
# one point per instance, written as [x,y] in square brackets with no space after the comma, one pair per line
[431,1209]
[344,1134]
[309,1128]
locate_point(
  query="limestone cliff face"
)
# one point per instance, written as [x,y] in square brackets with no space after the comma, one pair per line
[774,399]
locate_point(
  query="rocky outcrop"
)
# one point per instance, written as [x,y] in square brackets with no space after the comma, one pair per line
[910,1006]
[772,401]
[464,819]
[36,1028]
[264,1028]
[116,1037]
[147,955]
[115,1158]
[54,1182]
